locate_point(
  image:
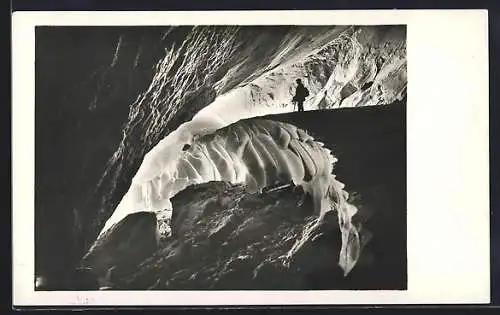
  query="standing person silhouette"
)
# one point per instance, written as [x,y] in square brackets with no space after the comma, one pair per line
[301,93]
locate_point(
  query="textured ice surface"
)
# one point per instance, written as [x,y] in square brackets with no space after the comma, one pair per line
[257,153]
[360,66]
[234,73]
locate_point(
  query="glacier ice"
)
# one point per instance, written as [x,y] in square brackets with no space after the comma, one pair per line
[258,153]
[252,73]
[366,62]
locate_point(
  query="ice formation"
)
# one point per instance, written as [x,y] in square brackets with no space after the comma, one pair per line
[359,66]
[237,73]
[258,153]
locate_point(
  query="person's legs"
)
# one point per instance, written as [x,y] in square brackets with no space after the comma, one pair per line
[301,106]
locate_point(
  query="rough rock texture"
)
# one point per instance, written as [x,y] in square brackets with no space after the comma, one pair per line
[226,238]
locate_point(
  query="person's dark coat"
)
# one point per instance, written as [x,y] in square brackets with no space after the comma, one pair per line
[300,95]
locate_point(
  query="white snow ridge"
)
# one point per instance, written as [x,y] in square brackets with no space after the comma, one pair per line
[257,153]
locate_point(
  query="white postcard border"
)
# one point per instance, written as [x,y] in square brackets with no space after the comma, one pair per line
[447,146]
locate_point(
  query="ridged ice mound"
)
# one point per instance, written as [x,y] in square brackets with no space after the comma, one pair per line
[258,153]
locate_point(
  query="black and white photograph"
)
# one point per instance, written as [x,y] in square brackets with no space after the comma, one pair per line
[220,157]
[250,158]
